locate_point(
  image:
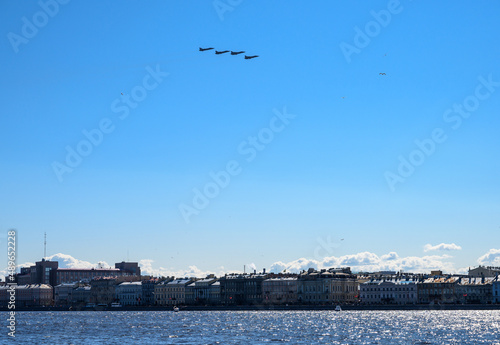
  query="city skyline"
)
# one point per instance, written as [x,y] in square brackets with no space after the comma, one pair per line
[363,133]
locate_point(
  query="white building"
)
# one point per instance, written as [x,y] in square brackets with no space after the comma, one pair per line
[395,291]
[129,293]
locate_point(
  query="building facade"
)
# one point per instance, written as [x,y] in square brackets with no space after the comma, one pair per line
[63,294]
[40,273]
[278,291]
[148,291]
[129,293]
[495,289]
[332,286]
[242,289]
[198,292]
[171,292]
[390,291]
[81,295]
[438,290]
[32,295]
[475,290]
[102,290]
[132,268]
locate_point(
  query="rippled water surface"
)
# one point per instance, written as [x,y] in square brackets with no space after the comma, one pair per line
[259,327]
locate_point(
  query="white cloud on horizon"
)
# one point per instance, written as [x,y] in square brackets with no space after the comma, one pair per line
[442,246]
[147,268]
[67,261]
[491,258]
[370,262]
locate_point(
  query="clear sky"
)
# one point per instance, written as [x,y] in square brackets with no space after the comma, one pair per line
[364,134]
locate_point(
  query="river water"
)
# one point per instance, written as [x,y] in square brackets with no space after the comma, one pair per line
[256,327]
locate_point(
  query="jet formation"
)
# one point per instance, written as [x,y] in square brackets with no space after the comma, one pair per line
[219,52]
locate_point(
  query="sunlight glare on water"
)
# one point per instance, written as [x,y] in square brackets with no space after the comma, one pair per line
[259,327]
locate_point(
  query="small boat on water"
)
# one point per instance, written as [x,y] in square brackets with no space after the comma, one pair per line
[176,308]
[116,305]
[338,308]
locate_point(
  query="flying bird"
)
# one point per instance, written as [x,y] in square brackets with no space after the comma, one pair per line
[251,57]
[221,52]
[236,53]
[122,93]
[382,74]
[203,49]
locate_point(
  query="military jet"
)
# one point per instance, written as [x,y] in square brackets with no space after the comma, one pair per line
[382,74]
[221,52]
[236,53]
[203,49]
[251,57]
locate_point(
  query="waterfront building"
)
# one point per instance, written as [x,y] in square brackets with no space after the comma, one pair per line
[332,286]
[129,293]
[148,291]
[31,295]
[81,295]
[173,292]
[214,293]
[438,289]
[475,290]
[242,289]
[280,290]
[160,293]
[63,294]
[102,290]
[389,291]
[198,292]
[495,289]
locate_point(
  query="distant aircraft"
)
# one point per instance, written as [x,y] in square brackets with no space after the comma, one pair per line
[236,53]
[251,57]
[122,93]
[382,74]
[203,49]
[221,52]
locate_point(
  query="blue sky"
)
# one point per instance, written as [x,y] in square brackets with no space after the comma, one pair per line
[335,155]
